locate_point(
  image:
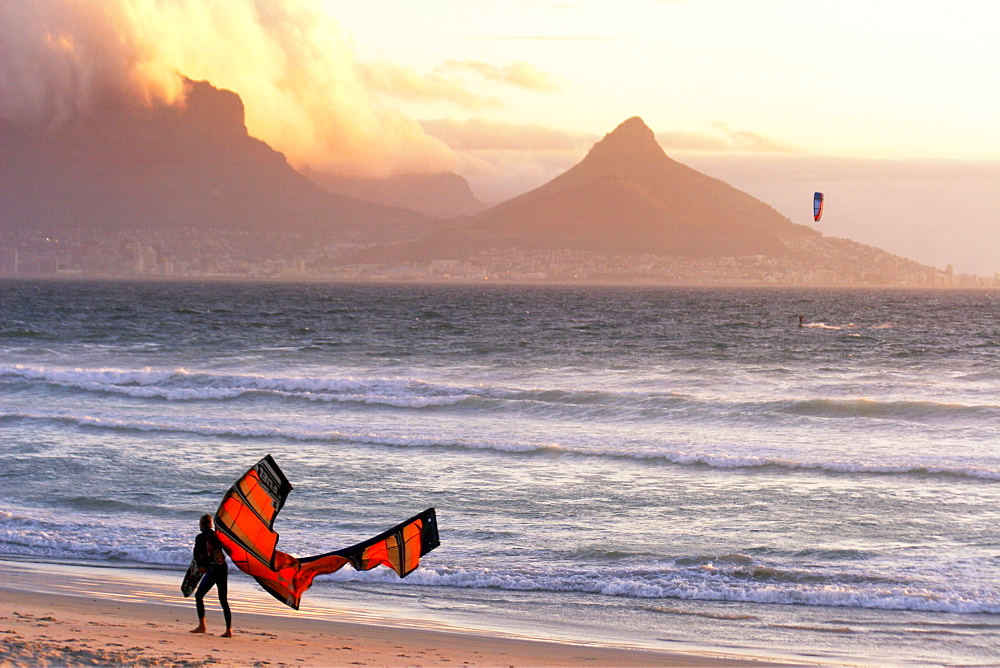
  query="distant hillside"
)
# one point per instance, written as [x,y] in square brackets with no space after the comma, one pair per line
[625,197]
[444,195]
[187,189]
[192,166]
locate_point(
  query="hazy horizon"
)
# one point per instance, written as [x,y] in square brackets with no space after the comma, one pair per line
[778,99]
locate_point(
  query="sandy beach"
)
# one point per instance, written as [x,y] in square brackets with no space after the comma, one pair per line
[54,614]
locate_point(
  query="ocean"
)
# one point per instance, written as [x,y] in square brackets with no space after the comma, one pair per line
[663,467]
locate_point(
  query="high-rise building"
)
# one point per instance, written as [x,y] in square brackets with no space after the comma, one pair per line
[8,262]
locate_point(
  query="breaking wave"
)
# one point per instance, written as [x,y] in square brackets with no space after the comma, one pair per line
[413,393]
[722,578]
[672,457]
[915,411]
[760,585]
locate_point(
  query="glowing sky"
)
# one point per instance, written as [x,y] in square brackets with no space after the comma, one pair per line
[777,97]
[848,78]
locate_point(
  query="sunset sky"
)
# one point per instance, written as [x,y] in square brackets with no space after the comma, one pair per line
[892,109]
[848,78]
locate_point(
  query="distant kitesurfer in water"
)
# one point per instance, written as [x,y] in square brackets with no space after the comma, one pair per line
[801,321]
[211,560]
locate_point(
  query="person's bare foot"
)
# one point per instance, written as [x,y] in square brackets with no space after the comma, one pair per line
[227,634]
[198,629]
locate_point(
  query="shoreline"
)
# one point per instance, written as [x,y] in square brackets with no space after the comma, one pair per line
[499,282]
[54,614]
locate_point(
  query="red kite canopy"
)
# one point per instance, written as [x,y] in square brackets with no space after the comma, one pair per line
[244,524]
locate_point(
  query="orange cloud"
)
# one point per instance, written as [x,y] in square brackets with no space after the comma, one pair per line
[548,38]
[404,83]
[522,75]
[725,140]
[295,70]
[478,134]
[61,58]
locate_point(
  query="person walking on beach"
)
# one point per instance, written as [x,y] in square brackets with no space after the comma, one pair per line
[211,560]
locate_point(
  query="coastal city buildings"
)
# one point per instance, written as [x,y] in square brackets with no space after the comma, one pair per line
[181,254]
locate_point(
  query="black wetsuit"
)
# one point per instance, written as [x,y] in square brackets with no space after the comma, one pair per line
[209,555]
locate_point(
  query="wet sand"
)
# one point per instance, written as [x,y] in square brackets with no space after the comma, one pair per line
[72,615]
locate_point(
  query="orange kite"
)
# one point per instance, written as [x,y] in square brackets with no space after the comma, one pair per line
[244,524]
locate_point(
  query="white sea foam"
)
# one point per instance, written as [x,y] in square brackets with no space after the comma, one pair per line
[181,384]
[668,584]
[275,432]
[736,580]
[184,385]
[916,411]
[90,537]
[682,458]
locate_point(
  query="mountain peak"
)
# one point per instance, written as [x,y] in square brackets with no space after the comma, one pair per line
[632,129]
[630,142]
[628,197]
[213,107]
